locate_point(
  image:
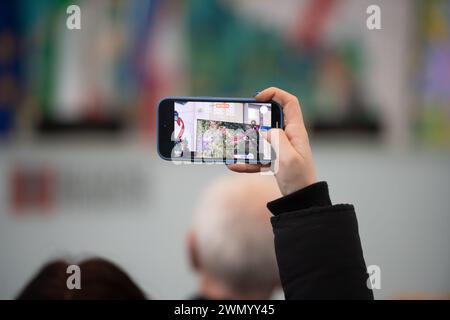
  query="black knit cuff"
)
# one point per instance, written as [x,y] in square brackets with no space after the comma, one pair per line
[315,195]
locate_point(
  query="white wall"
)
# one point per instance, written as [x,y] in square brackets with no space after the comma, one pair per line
[401,200]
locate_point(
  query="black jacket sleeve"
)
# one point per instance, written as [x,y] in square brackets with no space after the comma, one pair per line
[318,248]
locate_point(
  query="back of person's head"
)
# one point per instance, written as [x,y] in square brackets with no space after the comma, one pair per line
[100,280]
[231,242]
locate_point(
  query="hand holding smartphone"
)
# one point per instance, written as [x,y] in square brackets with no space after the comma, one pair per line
[295,168]
[227,130]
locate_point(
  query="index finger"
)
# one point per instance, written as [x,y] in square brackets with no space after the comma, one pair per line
[245,167]
[291,107]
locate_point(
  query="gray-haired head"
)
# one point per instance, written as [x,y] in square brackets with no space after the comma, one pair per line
[233,236]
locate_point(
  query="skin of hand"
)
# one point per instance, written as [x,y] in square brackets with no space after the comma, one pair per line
[296,168]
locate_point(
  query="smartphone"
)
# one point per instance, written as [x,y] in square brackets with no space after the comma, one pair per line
[207,129]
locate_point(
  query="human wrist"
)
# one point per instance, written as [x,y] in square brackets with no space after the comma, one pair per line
[314,195]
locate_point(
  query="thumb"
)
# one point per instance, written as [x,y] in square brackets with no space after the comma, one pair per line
[279,142]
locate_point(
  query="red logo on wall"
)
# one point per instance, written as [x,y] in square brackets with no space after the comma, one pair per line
[32,188]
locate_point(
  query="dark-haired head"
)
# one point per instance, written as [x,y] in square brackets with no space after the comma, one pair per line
[100,280]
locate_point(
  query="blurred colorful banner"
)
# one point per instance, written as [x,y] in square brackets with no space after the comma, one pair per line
[434,110]
[235,53]
[88,78]
[110,75]
[10,65]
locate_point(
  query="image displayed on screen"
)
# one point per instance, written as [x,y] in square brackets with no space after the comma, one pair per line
[218,130]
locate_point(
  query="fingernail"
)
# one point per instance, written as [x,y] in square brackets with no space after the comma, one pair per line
[256,93]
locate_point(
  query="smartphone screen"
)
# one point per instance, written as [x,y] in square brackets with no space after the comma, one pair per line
[226,130]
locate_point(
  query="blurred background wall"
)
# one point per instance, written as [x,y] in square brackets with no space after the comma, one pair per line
[79,174]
